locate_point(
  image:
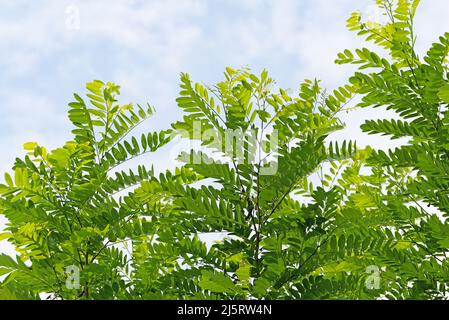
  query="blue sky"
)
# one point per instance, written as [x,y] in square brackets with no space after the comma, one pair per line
[144,45]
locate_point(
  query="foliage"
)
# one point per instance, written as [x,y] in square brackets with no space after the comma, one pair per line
[298,215]
[279,230]
[64,206]
[415,196]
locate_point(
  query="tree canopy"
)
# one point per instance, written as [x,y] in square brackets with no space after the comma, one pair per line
[302,216]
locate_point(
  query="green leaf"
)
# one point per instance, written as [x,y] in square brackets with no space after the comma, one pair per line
[4,271]
[8,180]
[30,146]
[217,282]
[243,273]
[443,94]
[5,235]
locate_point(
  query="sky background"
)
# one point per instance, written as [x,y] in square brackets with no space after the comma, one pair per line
[50,49]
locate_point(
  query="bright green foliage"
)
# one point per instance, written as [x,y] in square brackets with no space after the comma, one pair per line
[284,238]
[300,216]
[64,207]
[415,198]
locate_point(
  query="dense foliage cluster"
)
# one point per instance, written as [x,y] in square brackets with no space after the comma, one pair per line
[303,217]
